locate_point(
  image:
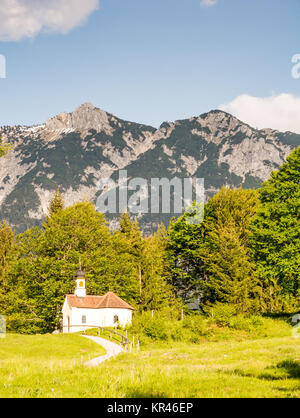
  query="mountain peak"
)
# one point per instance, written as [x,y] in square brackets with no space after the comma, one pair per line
[84,118]
[87,105]
[220,120]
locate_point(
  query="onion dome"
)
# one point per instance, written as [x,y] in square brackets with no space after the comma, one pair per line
[80,274]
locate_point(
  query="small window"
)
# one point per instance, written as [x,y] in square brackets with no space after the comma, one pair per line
[83,319]
[116,319]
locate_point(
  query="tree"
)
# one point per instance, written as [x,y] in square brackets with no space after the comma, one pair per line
[157,293]
[6,247]
[56,204]
[13,304]
[276,236]
[227,269]
[4,148]
[211,261]
[130,230]
[148,256]
[6,244]
[183,263]
[46,259]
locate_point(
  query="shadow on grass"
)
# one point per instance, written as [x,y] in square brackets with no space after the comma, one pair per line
[137,393]
[292,368]
[286,317]
[287,369]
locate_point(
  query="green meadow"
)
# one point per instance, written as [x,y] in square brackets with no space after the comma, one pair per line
[228,364]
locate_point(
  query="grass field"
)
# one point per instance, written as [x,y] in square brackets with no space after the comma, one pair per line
[27,361]
[49,366]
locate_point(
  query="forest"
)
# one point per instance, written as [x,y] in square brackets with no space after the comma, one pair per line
[244,257]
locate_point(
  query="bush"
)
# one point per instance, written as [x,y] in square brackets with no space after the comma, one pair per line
[222,314]
[196,324]
[240,322]
[18,324]
[176,332]
[225,315]
[195,327]
[161,328]
[156,329]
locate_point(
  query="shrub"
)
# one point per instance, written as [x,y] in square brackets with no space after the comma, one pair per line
[195,326]
[156,329]
[222,314]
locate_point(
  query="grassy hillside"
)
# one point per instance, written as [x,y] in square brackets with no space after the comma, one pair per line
[28,361]
[43,366]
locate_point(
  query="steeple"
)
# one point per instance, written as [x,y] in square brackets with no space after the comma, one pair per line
[80,289]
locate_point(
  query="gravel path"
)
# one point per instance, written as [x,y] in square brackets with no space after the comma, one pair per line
[112,350]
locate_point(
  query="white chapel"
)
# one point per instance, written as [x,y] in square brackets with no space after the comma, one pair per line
[81,311]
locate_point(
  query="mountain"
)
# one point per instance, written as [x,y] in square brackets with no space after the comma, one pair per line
[73,151]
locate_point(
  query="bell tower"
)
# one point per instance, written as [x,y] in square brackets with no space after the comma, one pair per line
[80,289]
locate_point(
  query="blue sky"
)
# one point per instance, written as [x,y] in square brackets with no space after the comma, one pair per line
[151,61]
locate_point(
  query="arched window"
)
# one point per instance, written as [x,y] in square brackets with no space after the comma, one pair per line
[83,319]
[116,319]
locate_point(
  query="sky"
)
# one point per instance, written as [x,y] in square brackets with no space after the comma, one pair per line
[151,61]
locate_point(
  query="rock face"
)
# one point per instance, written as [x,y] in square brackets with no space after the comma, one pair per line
[73,151]
[86,117]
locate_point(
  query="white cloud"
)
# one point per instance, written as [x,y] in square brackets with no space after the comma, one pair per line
[26,18]
[280,112]
[208,3]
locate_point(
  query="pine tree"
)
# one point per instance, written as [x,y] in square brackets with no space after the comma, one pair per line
[157,293]
[56,204]
[130,230]
[228,270]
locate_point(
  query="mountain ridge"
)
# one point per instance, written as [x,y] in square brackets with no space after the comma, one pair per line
[75,150]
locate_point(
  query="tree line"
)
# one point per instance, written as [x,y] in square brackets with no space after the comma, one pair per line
[246,253]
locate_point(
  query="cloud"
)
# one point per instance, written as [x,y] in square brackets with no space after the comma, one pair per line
[280,112]
[208,3]
[27,18]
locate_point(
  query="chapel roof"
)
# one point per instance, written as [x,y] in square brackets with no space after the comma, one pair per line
[109,300]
